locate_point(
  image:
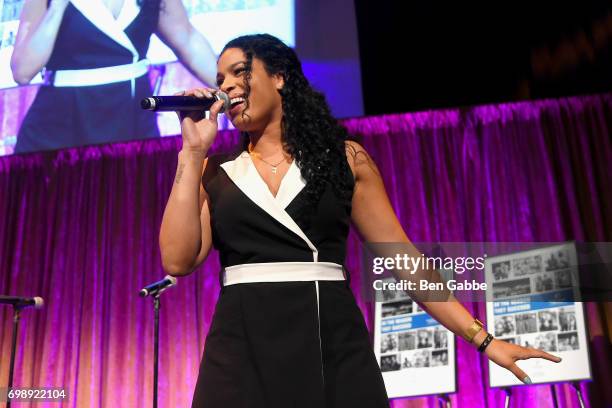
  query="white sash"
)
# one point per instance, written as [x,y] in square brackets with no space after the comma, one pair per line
[99,76]
[282,272]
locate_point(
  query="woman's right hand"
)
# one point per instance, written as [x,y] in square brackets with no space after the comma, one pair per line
[199,132]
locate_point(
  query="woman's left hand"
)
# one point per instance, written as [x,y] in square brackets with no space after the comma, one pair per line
[506,354]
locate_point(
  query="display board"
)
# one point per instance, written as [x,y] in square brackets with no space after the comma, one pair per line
[531,304]
[415,353]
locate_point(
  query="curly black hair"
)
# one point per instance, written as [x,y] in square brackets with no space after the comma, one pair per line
[309,132]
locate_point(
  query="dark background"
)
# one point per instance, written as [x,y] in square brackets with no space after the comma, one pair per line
[420,55]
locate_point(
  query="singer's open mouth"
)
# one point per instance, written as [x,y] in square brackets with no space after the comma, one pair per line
[236,105]
[237,100]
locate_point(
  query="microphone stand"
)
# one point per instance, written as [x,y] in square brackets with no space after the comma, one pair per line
[16,318]
[156,306]
[155,291]
[17,307]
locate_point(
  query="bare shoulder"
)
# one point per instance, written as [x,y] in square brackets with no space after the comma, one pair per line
[360,161]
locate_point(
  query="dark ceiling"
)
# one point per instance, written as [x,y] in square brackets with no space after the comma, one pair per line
[420,55]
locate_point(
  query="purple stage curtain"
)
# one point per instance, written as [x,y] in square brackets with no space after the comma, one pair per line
[80,228]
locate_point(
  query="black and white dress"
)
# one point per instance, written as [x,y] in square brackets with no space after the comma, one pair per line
[277,340]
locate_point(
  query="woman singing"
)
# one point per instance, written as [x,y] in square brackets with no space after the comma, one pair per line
[287,331]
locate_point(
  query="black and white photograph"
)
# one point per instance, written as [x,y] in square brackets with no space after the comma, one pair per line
[421,358]
[390,363]
[526,323]
[528,340]
[547,320]
[396,308]
[567,320]
[512,340]
[563,279]
[388,343]
[440,338]
[501,270]
[388,295]
[527,266]
[511,288]
[406,340]
[504,326]
[391,295]
[424,338]
[439,358]
[406,361]
[544,282]
[567,341]
[557,260]
[416,359]
[546,342]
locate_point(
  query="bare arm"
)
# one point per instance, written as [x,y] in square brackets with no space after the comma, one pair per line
[185,235]
[38,27]
[189,45]
[375,219]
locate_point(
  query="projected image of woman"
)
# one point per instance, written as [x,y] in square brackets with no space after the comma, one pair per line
[93,52]
[287,331]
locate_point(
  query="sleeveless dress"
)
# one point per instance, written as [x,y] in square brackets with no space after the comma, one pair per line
[89,37]
[300,344]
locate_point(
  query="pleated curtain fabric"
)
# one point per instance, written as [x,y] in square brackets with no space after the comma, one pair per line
[80,228]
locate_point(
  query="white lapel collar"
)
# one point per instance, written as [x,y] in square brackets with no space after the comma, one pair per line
[243,173]
[127,14]
[101,17]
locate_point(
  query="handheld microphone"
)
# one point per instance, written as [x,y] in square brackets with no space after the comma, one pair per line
[20,302]
[184,103]
[158,287]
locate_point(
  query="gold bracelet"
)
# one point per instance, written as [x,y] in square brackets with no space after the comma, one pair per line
[473,330]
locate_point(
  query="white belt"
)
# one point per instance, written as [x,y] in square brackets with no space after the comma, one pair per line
[98,76]
[282,272]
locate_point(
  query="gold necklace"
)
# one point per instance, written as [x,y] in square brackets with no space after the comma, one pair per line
[274,166]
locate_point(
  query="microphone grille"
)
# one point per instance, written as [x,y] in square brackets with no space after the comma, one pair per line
[148,103]
[38,302]
[226,100]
